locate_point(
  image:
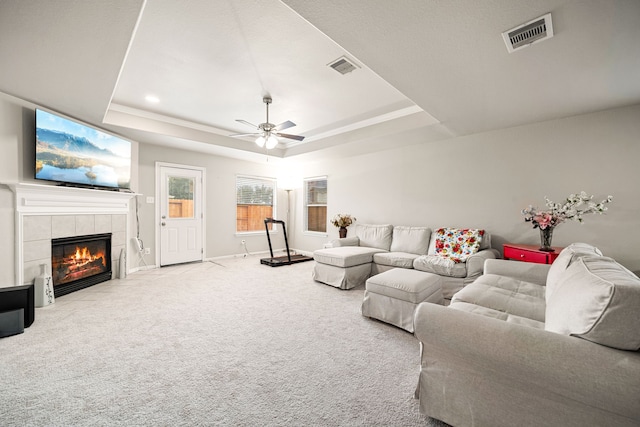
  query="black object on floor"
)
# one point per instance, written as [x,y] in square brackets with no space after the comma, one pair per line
[287,259]
[11,322]
[16,297]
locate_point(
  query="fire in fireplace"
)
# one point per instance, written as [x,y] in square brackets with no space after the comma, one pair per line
[79,262]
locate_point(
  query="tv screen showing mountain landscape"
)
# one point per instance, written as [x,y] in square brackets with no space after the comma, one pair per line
[70,152]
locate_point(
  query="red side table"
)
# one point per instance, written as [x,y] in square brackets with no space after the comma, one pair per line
[530,253]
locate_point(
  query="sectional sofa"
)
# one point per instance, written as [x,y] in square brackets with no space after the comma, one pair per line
[535,345]
[349,262]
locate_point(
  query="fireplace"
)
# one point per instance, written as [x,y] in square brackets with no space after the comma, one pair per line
[79,262]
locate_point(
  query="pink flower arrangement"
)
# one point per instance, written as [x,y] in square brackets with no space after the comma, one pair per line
[574,207]
[545,219]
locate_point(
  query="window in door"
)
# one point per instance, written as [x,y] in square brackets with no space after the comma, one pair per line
[180,197]
[254,202]
[315,204]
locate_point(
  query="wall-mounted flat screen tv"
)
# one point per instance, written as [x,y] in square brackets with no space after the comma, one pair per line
[69,152]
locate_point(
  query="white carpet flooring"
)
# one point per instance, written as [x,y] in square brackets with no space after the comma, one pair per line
[225,343]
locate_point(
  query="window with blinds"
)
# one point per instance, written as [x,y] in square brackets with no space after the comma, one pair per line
[255,201]
[315,206]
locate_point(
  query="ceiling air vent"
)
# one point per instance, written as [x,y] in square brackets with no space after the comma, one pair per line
[528,33]
[343,65]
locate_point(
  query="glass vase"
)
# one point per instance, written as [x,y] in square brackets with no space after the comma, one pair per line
[545,239]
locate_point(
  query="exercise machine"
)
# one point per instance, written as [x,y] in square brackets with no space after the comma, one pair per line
[287,259]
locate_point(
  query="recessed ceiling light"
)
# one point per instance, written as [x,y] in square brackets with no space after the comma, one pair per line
[152,99]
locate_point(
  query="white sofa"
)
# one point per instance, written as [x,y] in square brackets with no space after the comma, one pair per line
[349,262]
[535,345]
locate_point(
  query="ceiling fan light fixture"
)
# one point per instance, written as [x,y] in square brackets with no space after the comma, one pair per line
[272,141]
[267,133]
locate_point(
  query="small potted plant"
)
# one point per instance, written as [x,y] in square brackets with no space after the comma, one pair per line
[342,221]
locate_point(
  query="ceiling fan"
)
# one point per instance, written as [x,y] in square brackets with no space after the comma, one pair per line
[268,133]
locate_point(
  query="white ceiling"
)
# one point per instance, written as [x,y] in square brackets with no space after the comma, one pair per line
[433,67]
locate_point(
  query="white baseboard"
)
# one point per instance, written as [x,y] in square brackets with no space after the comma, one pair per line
[276,252]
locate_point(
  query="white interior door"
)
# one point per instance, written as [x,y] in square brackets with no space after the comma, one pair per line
[181,215]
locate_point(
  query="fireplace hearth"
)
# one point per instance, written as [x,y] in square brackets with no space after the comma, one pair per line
[79,262]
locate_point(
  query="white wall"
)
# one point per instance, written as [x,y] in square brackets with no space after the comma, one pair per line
[485,180]
[481,180]
[11,148]
[221,236]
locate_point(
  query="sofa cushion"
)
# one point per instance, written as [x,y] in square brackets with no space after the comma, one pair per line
[345,256]
[395,259]
[564,259]
[496,314]
[456,243]
[515,298]
[375,236]
[346,241]
[440,265]
[407,285]
[413,240]
[599,300]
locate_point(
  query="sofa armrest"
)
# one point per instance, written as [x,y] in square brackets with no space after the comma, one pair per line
[526,271]
[475,263]
[347,241]
[530,359]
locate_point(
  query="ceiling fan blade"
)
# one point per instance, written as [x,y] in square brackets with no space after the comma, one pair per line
[247,123]
[238,135]
[285,125]
[286,135]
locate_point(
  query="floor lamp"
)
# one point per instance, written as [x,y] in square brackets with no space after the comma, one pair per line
[288,190]
[288,184]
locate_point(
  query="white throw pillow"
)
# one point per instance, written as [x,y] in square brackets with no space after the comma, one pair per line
[413,240]
[568,255]
[597,299]
[375,236]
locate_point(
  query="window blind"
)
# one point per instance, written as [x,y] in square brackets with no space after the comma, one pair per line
[254,191]
[316,190]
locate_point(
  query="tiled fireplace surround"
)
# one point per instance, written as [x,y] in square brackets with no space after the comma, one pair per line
[46,212]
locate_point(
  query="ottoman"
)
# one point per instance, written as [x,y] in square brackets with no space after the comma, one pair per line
[393,296]
[344,267]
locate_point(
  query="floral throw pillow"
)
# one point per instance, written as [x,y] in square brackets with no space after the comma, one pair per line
[458,244]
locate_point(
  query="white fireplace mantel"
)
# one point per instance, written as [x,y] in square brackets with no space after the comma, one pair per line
[49,199]
[38,199]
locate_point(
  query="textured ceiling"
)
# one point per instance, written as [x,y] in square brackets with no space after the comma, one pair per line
[429,68]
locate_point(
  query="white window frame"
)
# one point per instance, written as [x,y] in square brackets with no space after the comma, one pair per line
[274,202]
[306,205]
